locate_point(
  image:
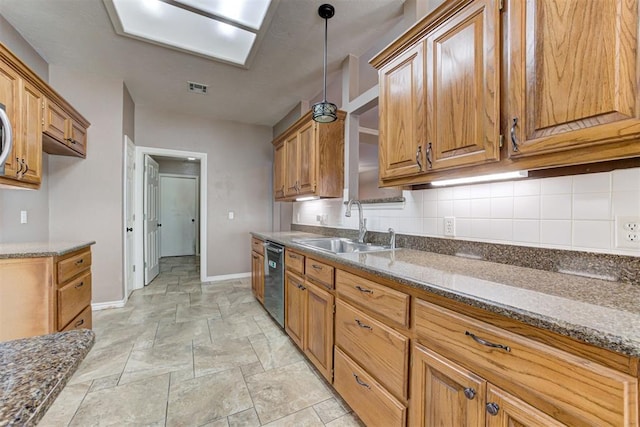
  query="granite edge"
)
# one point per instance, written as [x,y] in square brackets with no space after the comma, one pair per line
[42,254]
[581,333]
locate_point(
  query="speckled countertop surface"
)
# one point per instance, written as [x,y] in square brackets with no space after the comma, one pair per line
[599,312]
[40,249]
[34,371]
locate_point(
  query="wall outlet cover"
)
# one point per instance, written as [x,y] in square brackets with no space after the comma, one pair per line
[627,232]
[450,226]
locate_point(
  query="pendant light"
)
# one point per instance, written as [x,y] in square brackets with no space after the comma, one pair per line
[325,112]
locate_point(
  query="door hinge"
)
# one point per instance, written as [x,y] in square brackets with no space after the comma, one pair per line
[501,5]
[501,140]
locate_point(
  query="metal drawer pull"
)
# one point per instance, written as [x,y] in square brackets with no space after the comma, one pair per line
[514,143]
[293,256]
[316,267]
[363,290]
[302,288]
[26,167]
[362,325]
[487,343]
[80,261]
[469,393]
[79,323]
[79,285]
[429,150]
[493,408]
[418,157]
[360,382]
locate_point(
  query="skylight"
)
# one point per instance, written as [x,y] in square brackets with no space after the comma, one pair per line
[219,29]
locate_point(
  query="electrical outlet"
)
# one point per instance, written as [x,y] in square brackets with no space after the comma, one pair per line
[23,217]
[450,226]
[627,232]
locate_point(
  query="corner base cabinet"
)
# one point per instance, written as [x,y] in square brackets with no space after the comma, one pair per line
[257,269]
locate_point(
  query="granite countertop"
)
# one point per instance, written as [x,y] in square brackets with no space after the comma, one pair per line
[40,249]
[599,312]
[34,371]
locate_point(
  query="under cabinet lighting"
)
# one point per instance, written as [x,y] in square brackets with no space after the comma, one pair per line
[481,178]
[304,199]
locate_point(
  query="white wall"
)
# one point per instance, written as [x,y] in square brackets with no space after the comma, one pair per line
[570,212]
[85,196]
[239,178]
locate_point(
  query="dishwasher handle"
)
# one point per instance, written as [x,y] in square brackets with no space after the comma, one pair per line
[275,249]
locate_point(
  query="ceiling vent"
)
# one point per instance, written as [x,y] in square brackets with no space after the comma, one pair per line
[198,88]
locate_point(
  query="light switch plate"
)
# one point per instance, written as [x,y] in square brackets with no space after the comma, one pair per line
[232,215]
[23,217]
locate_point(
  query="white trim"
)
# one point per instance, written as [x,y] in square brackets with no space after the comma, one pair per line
[96,306]
[125,291]
[139,193]
[226,277]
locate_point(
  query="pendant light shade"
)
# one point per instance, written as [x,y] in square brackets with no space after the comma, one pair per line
[325,112]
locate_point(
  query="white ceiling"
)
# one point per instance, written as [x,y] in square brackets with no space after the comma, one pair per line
[286,69]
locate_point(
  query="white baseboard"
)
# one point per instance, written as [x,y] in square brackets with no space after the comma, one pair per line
[105,305]
[227,277]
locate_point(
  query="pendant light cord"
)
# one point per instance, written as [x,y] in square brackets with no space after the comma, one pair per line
[324,94]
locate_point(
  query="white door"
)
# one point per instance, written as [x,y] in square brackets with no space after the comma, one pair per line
[178,213]
[129,216]
[151,241]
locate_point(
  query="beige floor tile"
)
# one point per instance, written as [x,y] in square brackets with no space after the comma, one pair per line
[65,405]
[222,355]
[247,418]
[157,361]
[102,363]
[252,369]
[222,422]
[330,410]
[234,328]
[186,313]
[174,333]
[284,391]
[104,383]
[124,334]
[139,403]
[276,352]
[154,314]
[182,375]
[349,420]
[204,298]
[201,400]
[305,418]
[174,298]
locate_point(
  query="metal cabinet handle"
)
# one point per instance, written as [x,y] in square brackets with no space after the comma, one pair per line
[363,290]
[429,150]
[419,157]
[79,323]
[493,408]
[514,143]
[80,261]
[316,267]
[293,256]
[79,285]
[360,382]
[487,343]
[26,167]
[19,164]
[362,325]
[299,286]
[469,393]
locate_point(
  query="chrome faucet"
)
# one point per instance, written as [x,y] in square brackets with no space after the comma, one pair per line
[362,223]
[392,238]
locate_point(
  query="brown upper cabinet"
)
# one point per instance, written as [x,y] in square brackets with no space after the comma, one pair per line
[559,88]
[309,159]
[36,113]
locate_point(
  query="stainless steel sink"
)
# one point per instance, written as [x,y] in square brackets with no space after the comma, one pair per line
[340,245]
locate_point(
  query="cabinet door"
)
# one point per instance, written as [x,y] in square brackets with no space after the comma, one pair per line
[77,137]
[402,115]
[279,167]
[294,312]
[573,75]
[443,393]
[292,168]
[257,276]
[10,98]
[55,121]
[510,411]
[307,142]
[318,334]
[463,88]
[31,147]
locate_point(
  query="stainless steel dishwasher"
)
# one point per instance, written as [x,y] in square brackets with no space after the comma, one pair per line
[274,281]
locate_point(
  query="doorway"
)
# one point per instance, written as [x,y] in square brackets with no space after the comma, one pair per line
[178,215]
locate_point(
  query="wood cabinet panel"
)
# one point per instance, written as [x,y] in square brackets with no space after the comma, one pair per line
[462,89]
[383,352]
[373,404]
[402,115]
[257,276]
[292,165]
[295,304]
[257,246]
[444,393]
[514,412]
[377,298]
[294,261]
[73,298]
[307,160]
[279,159]
[319,272]
[10,98]
[78,137]
[573,74]
[318,333]
[55,120]
[531,367]
[31,124]
[73,265]
[81,321]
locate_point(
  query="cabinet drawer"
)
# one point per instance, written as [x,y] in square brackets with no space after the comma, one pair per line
[373,404]
[71,266]
[580,389]
[73,297]
[81,321]
[380,299]
[375,346]
[319,272]
[257,245]
[294,261]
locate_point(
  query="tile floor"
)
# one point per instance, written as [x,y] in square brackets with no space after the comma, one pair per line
[187,353]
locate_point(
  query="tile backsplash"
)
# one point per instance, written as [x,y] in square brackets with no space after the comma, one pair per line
[570,212]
